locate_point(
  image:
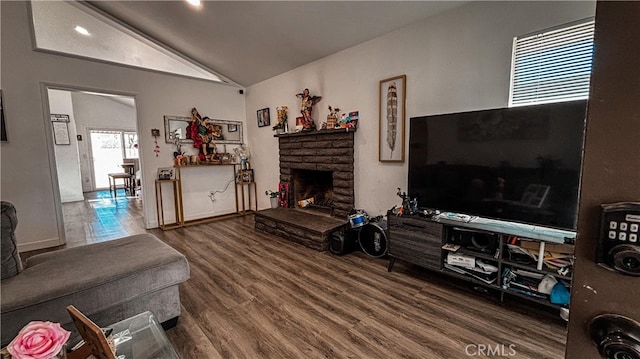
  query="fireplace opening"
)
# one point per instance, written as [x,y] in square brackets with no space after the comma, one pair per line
[313,190]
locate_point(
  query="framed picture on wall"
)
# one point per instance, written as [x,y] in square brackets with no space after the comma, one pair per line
[392,95]
[60,127]
[263,117]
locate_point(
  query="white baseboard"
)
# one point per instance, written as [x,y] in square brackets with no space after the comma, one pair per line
[32,246]
[72,199]
[196,216]
[152,224]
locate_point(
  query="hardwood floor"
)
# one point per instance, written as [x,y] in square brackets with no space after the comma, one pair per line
[101,217]
[253,295]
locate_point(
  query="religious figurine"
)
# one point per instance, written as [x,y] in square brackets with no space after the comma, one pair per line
[203,131]
[306,107]
[281,126]
[243,154]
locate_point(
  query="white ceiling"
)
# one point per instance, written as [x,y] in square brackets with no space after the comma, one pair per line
[251,41]
[55,23]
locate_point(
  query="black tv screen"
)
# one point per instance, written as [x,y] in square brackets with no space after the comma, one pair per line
[519,164]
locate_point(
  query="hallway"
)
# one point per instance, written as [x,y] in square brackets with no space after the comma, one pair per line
[100,217]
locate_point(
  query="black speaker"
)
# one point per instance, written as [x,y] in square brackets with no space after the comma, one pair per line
[479,242]
[343,241]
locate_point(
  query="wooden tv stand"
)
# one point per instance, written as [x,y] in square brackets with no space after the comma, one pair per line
[419,240]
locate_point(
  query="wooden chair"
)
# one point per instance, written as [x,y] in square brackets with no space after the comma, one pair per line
[128,183]
[95,342]
[132,166]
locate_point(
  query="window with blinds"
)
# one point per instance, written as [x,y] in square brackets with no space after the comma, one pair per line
[553,65]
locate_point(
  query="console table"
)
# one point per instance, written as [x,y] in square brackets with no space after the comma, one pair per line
[177,204]
[252,199]
[179,198]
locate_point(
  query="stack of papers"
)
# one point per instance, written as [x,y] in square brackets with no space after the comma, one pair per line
[561,263]
[558,262]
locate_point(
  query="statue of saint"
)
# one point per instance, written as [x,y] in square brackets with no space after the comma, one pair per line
[306,107]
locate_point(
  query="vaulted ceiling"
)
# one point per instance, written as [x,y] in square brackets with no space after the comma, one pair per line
[251,41]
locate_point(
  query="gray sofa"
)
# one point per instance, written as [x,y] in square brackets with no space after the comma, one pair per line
[107,281]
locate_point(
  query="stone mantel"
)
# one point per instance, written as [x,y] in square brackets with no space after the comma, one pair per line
[318,132]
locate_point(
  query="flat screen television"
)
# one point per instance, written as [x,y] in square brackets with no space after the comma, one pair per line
[520,164]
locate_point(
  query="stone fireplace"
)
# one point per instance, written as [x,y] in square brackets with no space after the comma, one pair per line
[319,164]
[316,165]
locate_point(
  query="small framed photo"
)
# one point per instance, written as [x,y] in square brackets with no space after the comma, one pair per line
[232,128]
[245,175]
[166,173]
[263,117]
[299,123]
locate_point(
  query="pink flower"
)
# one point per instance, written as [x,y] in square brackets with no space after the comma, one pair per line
[38,340]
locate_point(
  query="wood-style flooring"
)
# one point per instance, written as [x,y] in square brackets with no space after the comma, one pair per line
[253,295]
[101,217]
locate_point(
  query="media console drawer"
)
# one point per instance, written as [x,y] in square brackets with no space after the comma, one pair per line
[416,240]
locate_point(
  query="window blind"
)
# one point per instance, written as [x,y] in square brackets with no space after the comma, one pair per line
[552,66]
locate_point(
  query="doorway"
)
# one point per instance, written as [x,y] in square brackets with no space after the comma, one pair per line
[109,150]
[100,138]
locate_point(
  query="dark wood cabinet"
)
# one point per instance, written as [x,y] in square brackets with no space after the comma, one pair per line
[419,240]
[416,240]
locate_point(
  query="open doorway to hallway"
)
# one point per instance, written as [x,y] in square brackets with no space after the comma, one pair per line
[98,133]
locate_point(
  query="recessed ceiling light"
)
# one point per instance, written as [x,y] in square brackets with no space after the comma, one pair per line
[82,30]
[193,2]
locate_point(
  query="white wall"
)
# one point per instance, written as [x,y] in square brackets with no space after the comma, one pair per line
[456,61]
[98,112]
[67,159]
[28,182]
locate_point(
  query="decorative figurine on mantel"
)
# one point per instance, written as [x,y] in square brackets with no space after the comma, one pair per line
[306,107]
[282,126]
[332,118]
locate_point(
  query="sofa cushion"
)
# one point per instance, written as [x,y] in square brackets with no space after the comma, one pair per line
[11,263]
[93,278]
